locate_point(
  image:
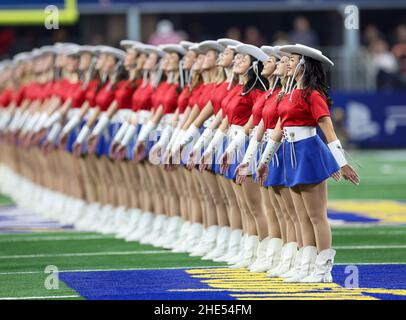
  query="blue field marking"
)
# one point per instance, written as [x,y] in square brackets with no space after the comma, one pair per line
[375,282]
[138,285]
[389,278]
[18,220]
[349,217]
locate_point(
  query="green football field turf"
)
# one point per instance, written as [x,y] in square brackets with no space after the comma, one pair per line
[23,257]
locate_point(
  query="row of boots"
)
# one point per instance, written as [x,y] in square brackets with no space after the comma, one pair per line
[219,244]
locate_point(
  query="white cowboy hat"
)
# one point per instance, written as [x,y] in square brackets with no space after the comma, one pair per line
[22,56]
[169,48]
[226,42]
[186,44]
[130,44]
[254,51]
[207,45]
[147,48]
[307,51]
[271,51]
[117,53]
[87,49]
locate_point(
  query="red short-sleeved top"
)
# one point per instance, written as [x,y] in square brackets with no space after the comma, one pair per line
[141,98]
[218,95]
[158,93]
[300,113]
[258,107]
[230,94]
[270,110]
[77,94]
[183,99]
[6,97]
[195,95]
[19,95]
[46,90]
[32,91]
[239,107]
[205,95]
[124,94]
[91,92]
[168,98]
[105,96]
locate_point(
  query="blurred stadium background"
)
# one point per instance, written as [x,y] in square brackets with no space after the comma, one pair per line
[368,86]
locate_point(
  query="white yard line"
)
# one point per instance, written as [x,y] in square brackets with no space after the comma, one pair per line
[84,254]
[180,268]
[57,238]
[400,246]
[108,270]
[134,252]
[41,298]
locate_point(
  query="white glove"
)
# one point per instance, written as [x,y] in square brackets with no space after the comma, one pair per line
[101,124]
[41,121]
[204,140]
[121,132]
[83,134]
[251,151]
[237,142]
[54,133]
[176,144]
[73,122]
[216,142]
[56,116]
[338,152]
[145,131]
[165,136]
[191,134]
[29,125]
[131,130]
[173,139]
[270,150]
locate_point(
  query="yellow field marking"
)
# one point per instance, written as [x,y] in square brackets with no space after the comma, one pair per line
[387,211]
[242,284]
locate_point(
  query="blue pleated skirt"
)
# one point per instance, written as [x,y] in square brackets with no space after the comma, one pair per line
[308,161]
[73,135]
[276,174]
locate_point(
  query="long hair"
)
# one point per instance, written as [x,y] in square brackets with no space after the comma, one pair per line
[315,79]
[252,82]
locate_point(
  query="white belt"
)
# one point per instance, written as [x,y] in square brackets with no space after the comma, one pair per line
[72,112]
[167,118]
[233,130]
[121,115]
[295,134]
[143,115]
[208,121]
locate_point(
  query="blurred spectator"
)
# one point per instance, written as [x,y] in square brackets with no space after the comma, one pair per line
[371,35]
[399,51]
[338,117]
[302,33]
[234,33]
[254,37]
[7,37]
[385,65]
[164,34]
[280,39]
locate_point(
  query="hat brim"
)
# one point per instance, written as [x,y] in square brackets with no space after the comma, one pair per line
[308,52]
[207,45]
[253,51]
[175,48]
